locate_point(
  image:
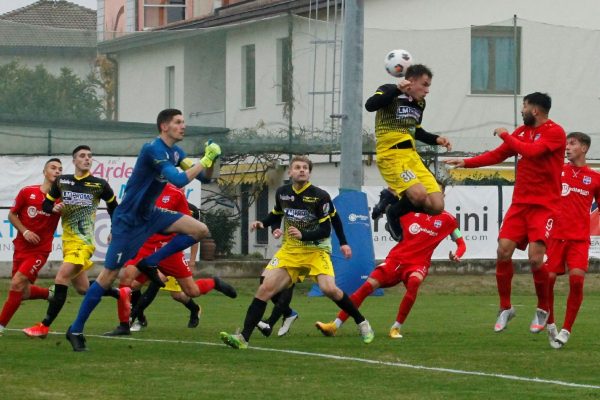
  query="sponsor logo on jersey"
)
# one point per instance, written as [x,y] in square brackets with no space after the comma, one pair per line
[78,199]
[407,112]
[66,181]
[286,197]
[415,228]
[32,211]
[294,213]
[587,180]
[309,199]
[92,184]
[166,199]
[566,189]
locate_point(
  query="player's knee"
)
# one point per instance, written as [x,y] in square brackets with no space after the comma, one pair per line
[200,232]
[503,253]
[332,291]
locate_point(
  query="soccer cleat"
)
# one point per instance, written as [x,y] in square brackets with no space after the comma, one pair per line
[119,331]
[503,317]
[287,324]
[385,199]
[143,320]
[393,225]
[224,287]
[395,333]
[77,340]
[235,341]
[327,328]
[195,317]
[264,328]
[136,326]
[552,333]
[51,291]
[561,339]
[39,330]
[366,332]
[150,271]
[539,321]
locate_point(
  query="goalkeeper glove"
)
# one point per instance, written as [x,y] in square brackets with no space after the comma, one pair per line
[212,151]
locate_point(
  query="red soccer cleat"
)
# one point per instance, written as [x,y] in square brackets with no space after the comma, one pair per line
[39,330]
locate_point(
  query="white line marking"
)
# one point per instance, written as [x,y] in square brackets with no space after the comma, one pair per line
[355,359]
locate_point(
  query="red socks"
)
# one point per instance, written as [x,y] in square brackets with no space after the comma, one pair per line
[574,300]
[10,306]
[205,285]
[37,292]
[504,274]
[412,287]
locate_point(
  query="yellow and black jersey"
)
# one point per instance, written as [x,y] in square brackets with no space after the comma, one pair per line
[398,116]
[304,209]
[80,196]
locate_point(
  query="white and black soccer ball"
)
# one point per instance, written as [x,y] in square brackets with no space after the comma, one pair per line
[397,62]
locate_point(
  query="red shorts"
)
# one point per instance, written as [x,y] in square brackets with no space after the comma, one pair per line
[526,223]
[175,265]
[390,273]
[29,264]
[567,253]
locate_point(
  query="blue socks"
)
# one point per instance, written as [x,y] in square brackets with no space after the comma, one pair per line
[178,243]
[90,301]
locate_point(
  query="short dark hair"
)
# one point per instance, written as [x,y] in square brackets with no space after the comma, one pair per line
[417,70]
[581,138]
[542,100]
[54,159]
[300,158]
[166,115]
[81,147]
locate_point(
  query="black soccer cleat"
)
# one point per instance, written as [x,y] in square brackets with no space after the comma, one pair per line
[224,287]
[194,317]
[77,340]
[119,331]
[385,199]
[264,328]
[393,226]
[150,271]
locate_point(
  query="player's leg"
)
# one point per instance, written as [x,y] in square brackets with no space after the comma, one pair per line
[189,303]
[412,285]
[65,273]
[418,189]
[276,279]
[342,300]
[189,231]
[504,275]
[550,324]
[19,285]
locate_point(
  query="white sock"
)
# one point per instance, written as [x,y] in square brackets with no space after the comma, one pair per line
[338,322]
[397,325]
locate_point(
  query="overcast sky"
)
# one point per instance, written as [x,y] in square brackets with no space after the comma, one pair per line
[9,5]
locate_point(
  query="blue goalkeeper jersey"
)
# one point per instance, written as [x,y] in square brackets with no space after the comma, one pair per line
[155,166]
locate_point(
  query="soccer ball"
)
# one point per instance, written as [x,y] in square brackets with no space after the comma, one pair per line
[397,62]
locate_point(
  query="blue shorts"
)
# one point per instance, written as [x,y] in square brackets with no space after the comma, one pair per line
[127,238]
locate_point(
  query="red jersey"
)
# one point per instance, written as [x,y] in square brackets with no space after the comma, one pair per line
[28,207]
[171,198]
[580,186]
[541,152]
[422,234]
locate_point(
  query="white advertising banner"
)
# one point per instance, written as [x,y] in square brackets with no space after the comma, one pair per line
[25,171]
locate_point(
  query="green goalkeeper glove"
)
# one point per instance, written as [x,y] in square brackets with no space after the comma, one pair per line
[212,151]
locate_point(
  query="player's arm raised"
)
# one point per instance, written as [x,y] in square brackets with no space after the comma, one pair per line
[545,144]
